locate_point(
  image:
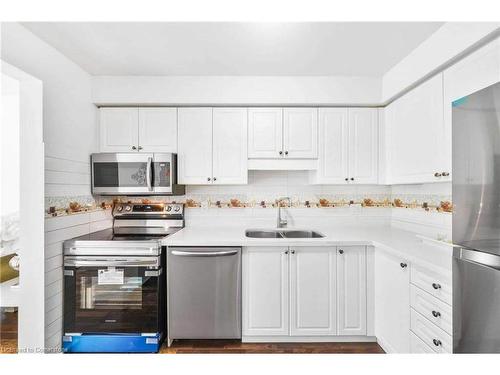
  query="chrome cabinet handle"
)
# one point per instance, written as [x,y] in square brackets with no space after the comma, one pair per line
[346,179]
[403,265]
[436,314]
[208,178]
[293,251]
[281,152]
[437,174]
[437,342]
[436,286]
[286,252]
[215,178]
[352,178]
[139,148]
[134,148]
[286,152]
[341,251]
[445,174]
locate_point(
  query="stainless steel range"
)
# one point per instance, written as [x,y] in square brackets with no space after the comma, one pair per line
[115,283]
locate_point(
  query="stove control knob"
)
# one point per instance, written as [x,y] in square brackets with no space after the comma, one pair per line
[177,208]
[119,208]
[169,208]
[128,208]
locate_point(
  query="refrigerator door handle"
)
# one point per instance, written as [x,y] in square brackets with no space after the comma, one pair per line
[478,257]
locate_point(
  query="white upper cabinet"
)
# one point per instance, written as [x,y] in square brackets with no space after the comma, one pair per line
[118,129]
[417,136]
[212,146]
[333,161]
[230,157]
[195,145]
[363,145]
[138,129]
[158,129]
[265,291]
[300,133]
[265,133]
[351,291]
[392,306]
[276,133]
[313,291]
[348,146]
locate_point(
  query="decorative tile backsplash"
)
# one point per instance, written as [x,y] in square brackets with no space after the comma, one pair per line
[265,187]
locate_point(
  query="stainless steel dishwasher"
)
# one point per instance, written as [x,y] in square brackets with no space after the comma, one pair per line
[204,292]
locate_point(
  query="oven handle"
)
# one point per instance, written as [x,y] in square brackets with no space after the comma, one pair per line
[148,173]
[204,253]
[133,262]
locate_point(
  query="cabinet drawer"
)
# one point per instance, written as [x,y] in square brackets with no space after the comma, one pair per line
[432,308]
[430,334]
[417,346]
[432,282]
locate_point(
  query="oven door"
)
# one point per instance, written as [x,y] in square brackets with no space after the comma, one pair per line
[122,174]
[119,295]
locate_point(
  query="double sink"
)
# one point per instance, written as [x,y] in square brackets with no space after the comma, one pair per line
[282,233]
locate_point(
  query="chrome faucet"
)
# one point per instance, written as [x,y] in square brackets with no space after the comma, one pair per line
[282,222]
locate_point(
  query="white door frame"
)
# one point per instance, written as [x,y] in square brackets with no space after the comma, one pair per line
[31,289]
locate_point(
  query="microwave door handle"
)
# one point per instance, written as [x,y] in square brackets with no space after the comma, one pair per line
[148,174]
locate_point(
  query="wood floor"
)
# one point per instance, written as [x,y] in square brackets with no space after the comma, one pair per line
[8,332]
[8,344]
[236,346]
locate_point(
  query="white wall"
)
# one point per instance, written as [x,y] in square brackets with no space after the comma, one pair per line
[239,90]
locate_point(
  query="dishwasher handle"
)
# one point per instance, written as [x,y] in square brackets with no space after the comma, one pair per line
[203,253]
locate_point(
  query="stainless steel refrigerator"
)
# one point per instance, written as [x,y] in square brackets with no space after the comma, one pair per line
[476,222]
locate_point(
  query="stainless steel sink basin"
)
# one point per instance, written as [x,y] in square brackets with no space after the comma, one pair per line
[301,234]
[257,233]
[263,234]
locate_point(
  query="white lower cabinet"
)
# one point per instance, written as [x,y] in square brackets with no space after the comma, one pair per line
[392,302]
[351,290]
[265,291]
[417,346]
[304,292]
[313,291]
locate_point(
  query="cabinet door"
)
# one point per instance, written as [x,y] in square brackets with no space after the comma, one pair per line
[230,158]
[417,134]
[313,294]
[118,129]
[195,146]
[351,290]
[300,133]
[392,302]
[158,129]
[265,133]
[265,291]
[363,145]
[333,146]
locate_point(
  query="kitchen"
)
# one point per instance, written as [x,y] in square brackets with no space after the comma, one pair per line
[239,204]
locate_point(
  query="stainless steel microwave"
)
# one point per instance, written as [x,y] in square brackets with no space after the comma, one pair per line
[135,174]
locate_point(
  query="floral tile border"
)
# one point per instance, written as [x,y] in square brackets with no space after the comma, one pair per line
[59,206]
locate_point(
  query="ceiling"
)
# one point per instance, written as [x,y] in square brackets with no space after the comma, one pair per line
[231,48]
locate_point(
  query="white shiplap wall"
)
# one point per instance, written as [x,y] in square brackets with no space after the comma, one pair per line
[67,174]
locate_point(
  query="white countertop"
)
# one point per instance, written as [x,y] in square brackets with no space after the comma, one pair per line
[402,242]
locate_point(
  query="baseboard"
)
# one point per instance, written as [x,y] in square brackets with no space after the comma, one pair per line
[297,339]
